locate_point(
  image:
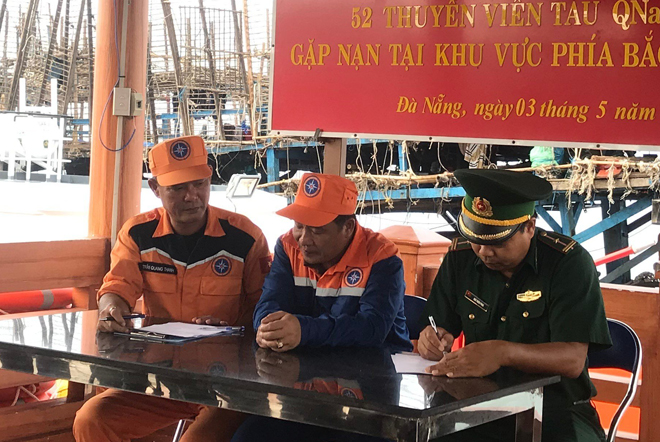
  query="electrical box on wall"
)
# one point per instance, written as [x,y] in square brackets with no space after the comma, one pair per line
[137,104]
[121,102]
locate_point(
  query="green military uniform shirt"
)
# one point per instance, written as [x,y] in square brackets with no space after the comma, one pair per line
[554,297]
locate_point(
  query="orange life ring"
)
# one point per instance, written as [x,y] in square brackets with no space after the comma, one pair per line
[31,300]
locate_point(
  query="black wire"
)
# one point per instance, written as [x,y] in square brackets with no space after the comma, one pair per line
[105,107]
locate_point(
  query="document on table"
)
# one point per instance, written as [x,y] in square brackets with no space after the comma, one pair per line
[411,363]
[180,332]
[185,330]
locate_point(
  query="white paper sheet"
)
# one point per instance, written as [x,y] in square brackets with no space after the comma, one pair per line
[411,363]
[184,330]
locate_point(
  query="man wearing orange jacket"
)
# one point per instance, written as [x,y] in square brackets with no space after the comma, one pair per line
[193,263]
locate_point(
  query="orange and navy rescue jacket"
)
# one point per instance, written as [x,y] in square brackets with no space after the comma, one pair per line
[221,277]
[357,302]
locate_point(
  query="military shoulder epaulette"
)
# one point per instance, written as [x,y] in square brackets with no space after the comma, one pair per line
[459,244]
[557,241]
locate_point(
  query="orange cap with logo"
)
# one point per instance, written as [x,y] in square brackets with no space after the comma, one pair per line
[179,160]
[320,199]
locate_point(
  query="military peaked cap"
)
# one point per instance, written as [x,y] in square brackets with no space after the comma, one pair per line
[497,203]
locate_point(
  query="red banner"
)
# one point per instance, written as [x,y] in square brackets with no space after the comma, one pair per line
[543,73]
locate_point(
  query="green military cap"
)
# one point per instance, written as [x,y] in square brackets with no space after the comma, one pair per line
[497,203]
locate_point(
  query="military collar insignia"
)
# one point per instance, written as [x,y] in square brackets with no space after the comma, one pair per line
[557,241]
[459,243]
[528,296]
[482,207]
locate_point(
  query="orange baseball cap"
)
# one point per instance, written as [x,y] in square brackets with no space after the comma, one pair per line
[179,160]
[320,199]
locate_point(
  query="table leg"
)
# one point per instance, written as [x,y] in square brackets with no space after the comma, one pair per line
[528,423]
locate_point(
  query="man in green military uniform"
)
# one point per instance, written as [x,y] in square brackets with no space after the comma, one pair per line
[524,298]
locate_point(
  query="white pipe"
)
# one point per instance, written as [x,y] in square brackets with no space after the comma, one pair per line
[53,97]
[641,247]
[21,95]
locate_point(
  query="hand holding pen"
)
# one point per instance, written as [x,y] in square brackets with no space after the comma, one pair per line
[434,342]
[112,309]
[440,336]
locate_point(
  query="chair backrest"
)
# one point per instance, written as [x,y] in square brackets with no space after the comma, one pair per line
[625,354]
[413,306]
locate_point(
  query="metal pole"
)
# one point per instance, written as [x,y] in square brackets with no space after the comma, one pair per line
[178,75]
[90,39]
[239,46]
[51,47]
[70,81]
[104,185]
[22,52]
[3,8]
[150,92]
[120,129]
[219,128]
[250,76]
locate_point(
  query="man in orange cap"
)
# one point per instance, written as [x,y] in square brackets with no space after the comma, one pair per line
[191,262]
[332,283]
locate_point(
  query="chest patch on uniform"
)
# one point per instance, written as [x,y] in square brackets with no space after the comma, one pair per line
[157,267]
[528,296]
[353,277]
[474,299]
[221,266]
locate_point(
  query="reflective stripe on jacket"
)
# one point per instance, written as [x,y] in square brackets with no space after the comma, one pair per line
[358,301]
[221,277]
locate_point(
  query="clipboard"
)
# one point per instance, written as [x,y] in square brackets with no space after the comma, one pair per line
[151,336]
[146,336]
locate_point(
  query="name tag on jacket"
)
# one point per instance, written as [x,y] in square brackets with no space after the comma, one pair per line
[157,267]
